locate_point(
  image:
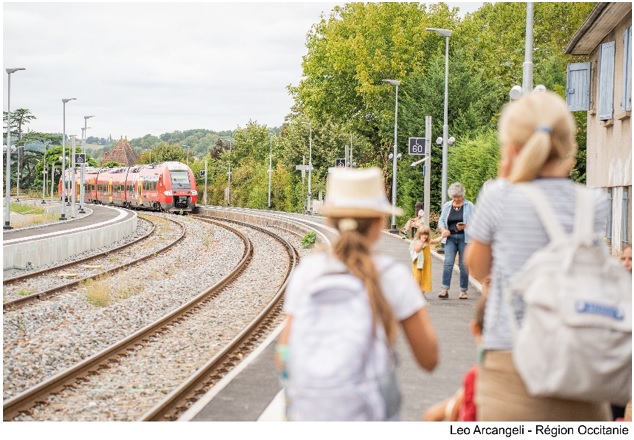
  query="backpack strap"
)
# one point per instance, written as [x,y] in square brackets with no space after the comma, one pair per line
[545,213]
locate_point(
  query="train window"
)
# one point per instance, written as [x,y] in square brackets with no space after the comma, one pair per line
[180,180]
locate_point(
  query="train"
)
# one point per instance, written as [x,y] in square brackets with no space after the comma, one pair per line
[166,186]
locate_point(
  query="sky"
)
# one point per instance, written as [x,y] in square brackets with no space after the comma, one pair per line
[156,67]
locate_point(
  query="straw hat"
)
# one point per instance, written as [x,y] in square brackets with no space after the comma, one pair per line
[357,193]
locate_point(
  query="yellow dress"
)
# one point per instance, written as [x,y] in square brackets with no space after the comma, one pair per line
[423,276]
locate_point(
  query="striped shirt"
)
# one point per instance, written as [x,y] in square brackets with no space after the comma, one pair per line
[506,220]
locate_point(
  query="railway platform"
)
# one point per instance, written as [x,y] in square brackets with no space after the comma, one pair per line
[56,241]
[252,392]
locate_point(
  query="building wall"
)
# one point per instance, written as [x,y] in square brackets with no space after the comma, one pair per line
[609,145]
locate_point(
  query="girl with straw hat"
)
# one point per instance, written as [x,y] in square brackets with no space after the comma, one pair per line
[356,206]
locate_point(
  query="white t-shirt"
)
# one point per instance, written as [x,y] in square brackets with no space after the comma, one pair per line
[398,286]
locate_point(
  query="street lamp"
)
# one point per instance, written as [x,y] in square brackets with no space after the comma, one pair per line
[188,147]
[229,178]
[44,171]
[445,128]
[17,188]
[64,101]
[83,165]
[7,214]
[395,154]
[270,166]
[72,175]
[310,167]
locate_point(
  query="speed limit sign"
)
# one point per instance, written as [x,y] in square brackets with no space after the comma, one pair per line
[417,146]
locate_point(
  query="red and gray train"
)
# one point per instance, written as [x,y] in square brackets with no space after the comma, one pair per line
[167,186]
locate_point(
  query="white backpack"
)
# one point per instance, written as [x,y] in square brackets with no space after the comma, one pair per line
[576,338]
[338,357]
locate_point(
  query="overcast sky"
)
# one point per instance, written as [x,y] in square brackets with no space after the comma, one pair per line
[153,68]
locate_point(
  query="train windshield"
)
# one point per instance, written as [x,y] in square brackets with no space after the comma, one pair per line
[180,180]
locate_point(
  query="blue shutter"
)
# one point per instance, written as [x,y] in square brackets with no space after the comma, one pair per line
[626,102]
[606,81]
[578,90]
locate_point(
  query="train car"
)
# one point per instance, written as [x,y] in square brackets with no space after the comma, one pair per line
[167,186]
[170,186]
[90,175]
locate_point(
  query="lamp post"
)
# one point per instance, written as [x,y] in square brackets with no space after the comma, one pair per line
[52,179]
[270,164]
[83,165]
[7,214]
[73,181]
[44,171]
[64,101]
[310,167]
[17,188]
[395,154]
[229,178]
[445,128]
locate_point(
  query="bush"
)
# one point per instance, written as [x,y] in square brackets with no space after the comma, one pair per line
[309,240]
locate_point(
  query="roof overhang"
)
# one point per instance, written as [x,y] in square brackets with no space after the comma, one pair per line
[601,21]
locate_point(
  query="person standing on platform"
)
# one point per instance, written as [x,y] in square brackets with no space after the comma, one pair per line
[454,218]
[537,134]
[420,252]
[379,290]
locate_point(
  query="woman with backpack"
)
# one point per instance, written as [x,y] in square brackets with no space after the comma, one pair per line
[343,310]
[537,134]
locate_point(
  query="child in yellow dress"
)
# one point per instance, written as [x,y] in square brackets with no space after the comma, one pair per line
[421,257]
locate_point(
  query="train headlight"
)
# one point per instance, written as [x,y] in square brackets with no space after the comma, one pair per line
[194,192]
[168,193]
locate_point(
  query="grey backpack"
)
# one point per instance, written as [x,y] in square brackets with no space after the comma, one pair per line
[338,357]
[575,341]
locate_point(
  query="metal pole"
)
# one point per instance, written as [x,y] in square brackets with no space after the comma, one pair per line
[394,160]
[527,80]
[229,178]
[72,174]
[427,168]
[63,215]
[310,167]
[445,127]
[44,174]
[17,188]
[83,165]
[205,196]
[81,178]
[270,167]
[7,212]
[52,179]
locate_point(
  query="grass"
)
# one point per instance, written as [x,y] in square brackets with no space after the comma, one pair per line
[98,293]
[31,215]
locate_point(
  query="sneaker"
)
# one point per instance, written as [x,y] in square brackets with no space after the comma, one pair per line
[463,295]
[444,294]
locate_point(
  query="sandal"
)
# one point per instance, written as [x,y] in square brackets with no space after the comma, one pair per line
[444,294]
[463,295]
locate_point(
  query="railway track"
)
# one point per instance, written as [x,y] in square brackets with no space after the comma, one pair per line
[100,363]
[17,291]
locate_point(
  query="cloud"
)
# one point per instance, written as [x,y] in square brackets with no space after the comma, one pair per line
[151,68]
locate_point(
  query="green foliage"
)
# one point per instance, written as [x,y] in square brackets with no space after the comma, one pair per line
[342,101]
[309,240]
[111,164]
[474,161]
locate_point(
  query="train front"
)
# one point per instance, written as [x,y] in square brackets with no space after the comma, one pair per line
[180,188]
